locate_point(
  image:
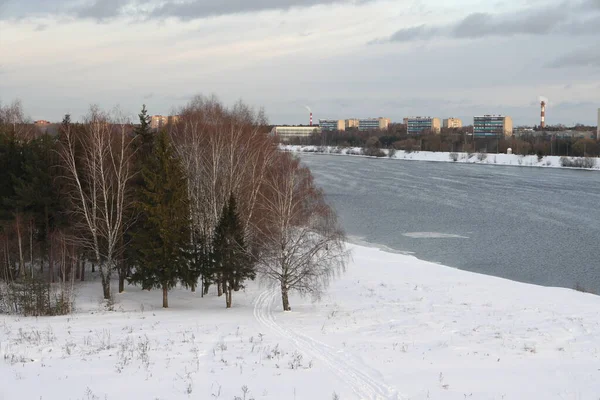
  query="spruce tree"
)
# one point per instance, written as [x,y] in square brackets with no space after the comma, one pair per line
[144,142]
[230,253]
[161,242]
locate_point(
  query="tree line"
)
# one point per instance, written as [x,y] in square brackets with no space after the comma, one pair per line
[459,140]
[208,201]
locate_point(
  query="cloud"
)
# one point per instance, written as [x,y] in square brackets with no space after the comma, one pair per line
[207,8]
[580,58]
[558,19]
[102,10]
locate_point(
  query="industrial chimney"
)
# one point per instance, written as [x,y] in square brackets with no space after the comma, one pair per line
[543,115]
[311,119]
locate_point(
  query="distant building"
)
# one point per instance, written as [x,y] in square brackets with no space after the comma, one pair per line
[172,119]
[285,133]
[523,131]
[351,123]
[158,121]
[418,125]
[332,124]
[492,126]
[41,122]
[373,124]
[452,123]
[569,134]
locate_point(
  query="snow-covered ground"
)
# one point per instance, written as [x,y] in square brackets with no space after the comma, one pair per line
[473,158]
[391,327]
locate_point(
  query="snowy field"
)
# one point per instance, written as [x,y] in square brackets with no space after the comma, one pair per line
[392,327]
[490,158]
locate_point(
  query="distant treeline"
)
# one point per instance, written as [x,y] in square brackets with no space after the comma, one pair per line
[458,140]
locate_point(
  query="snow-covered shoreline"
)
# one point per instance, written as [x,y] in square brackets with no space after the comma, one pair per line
[473,158]
[391,327]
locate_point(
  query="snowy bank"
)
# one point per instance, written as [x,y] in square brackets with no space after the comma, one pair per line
[392,327]
[470,158]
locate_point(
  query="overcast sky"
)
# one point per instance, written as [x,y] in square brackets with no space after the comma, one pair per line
[343,58]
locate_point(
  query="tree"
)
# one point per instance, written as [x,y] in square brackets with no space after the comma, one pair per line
[97,162]
[143,145]
[302,245]
[230,254]
[223,151]
[162,242]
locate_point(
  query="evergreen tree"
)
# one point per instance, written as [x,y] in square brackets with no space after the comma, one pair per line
[161,242]
[230,254]
[145,136]
[144,142]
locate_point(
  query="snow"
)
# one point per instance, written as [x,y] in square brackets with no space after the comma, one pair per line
[391,327]
[471,158]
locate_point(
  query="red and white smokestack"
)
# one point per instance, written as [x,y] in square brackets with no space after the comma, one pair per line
[311,119]
[543,115]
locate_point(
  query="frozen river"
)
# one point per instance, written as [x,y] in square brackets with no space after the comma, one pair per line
[527,224]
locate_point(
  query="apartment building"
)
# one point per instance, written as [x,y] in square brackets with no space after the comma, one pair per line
[419,125]
[332,124]
[372,124]
[492,126]
[452,123]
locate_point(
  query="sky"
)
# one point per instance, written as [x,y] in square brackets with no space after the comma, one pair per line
[342,58]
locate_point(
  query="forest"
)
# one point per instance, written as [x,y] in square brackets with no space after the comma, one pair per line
[207,202]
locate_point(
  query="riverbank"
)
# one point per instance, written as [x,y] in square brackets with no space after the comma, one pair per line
[457,157]
[392,327]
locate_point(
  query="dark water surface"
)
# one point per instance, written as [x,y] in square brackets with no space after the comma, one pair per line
[527,224]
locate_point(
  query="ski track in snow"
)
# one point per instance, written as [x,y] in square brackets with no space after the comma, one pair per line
[365,386]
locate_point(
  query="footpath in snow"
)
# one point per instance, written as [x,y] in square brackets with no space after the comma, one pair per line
[470,158]
[391,327]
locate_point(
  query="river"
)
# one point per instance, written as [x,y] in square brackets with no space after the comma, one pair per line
[535,225]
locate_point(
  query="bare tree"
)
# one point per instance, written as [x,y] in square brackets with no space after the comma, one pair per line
[224,151]
[302,244]
[98,167]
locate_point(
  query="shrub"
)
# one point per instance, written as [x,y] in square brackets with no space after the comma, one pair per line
[373,152]
[35,297]
[391,152]
[453,156]
[481,156]
[578,162]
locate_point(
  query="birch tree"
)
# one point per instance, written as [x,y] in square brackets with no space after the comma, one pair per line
[302,244]
[98,168]
[224,151]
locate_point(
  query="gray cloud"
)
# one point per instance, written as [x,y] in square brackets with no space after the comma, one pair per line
[205,8]
[100,9]
[560,19]
[580,58]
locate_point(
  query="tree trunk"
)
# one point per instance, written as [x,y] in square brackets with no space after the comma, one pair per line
[122,277]
[219,287]
[105,282]
[122,266]
[165,297]
[82,269]
[77,267]
[284,298]
[20,242]
[93,267]
[51,258]
[31,246]
[228,297]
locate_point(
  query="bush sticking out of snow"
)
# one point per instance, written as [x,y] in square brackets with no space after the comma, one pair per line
[578,162]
